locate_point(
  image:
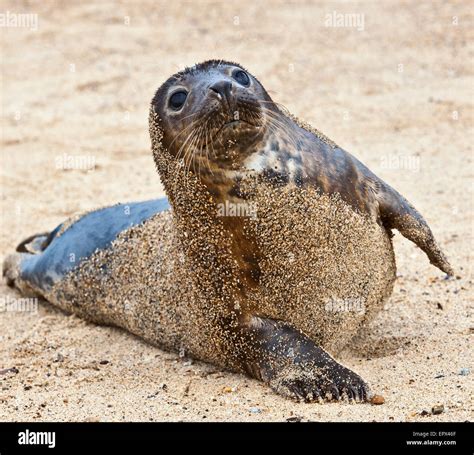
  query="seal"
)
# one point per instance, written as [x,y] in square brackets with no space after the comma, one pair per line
[271,251]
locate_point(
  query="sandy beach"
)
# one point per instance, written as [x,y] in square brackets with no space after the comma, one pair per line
[392,85]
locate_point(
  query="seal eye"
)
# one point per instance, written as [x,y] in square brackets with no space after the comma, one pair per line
[242,78]
[177,100]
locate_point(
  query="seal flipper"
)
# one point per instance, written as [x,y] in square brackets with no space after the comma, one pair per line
[294,366]
[397,213]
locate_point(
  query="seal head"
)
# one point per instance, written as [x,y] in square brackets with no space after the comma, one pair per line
[215,109]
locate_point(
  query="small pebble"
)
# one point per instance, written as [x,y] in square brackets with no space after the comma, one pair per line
[438,409]
[255,410]
[377,399]
[59,358]
[465,371]
[10,370]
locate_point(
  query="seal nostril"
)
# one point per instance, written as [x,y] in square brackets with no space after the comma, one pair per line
[214,90]
[222,88]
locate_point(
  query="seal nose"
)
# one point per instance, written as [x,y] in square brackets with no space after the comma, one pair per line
[223,89]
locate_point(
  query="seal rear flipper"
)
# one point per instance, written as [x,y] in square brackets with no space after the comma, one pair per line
[397,213]
[294,366]
[44,260]
[37,243]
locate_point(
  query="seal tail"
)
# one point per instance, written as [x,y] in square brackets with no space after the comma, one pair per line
[397,213]
[28,248]
[11,268]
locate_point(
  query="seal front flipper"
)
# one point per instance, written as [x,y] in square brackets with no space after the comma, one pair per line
[397,213]
[294,366]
